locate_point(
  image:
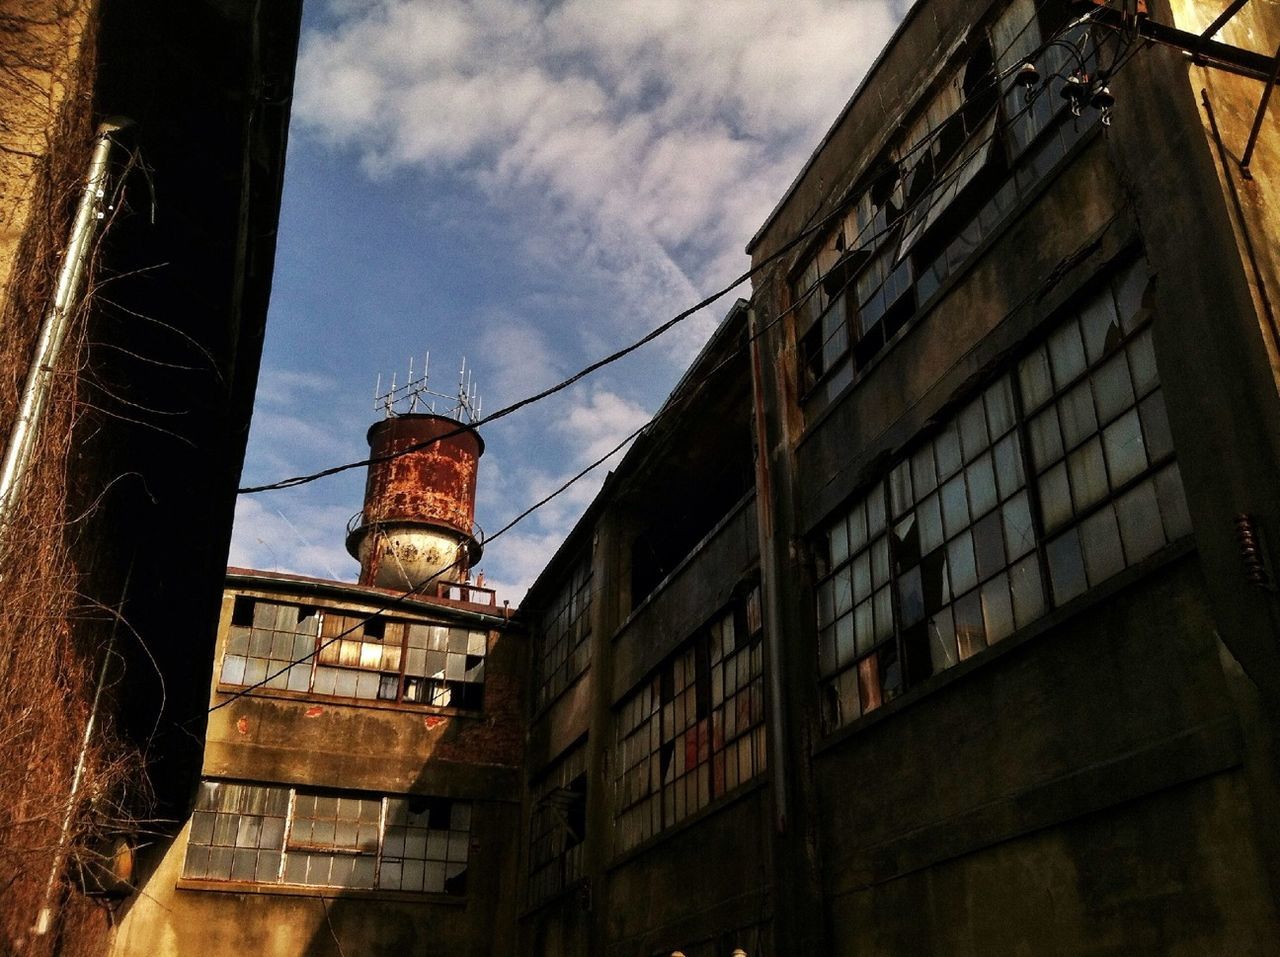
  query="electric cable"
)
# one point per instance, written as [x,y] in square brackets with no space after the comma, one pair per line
[660,330]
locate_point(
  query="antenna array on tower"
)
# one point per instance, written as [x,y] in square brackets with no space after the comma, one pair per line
[416,396]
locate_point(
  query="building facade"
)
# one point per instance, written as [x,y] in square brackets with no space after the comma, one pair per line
[361,779]
[141,165]
[976,651]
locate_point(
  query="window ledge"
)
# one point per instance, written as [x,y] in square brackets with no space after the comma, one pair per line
[326,893]
[1048,622]
[305,697]
[715,807]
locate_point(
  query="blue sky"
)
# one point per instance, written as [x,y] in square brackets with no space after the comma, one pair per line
[529,185]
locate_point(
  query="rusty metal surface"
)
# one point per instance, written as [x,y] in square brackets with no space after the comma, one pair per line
[435,485]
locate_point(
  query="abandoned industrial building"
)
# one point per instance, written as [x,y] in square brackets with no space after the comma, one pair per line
[934,612]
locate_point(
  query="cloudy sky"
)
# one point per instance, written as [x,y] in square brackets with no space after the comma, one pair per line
[529,185]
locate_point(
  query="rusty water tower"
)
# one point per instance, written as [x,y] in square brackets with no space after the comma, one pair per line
[417,526]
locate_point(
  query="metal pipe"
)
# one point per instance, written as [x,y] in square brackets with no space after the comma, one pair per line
[45,918]
[53,331]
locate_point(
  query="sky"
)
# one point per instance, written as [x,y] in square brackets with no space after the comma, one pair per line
[527,185]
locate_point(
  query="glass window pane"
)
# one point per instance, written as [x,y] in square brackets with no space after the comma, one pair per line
[900,496]
[1113,387]
[1126,454]
[1066,353]
[875,511]
[862,576]
[846,648]
[1028,593]
[1046,439]
[981,479]
[1088,475]
[942,641]
[1075,413]
[999,401]
[955,506]
[1101,327]
[1008,465]
[838,539]
[1140,527]
[1055,497]
[1100,541]
[879,563]
[1066,567]
[1142,362]
[857,527]
[923,473]
[997,609]
[1155,427]
[1033,377]
[971,633]
[883,602]
[988,545]
[929,519]
[843,584]
[973,430]
[946,447]
[1018,533]
[960,561]
[864,626]
[906,543]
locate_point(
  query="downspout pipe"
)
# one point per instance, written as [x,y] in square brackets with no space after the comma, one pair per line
[53,330]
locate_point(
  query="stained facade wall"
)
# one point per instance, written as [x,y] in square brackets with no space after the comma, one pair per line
[1084,767]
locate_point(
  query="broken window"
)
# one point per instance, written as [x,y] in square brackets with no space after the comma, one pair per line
[974,152]
[695,730]
[306,649]
[276,835]
[944,556]
[558,827]
[565,632]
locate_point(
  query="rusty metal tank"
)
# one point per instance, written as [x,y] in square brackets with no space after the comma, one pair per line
[417,523]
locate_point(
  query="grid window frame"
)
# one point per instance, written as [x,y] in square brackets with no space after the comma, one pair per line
[1052,528]
[353,655]
[694,731]
[1017,143]
[565,633]
[244,832]
[557,827]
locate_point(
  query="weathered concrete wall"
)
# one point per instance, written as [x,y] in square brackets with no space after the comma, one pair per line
[170,919]
[697,880]
[1106,747]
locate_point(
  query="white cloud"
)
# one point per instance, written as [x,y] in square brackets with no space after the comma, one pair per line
[652,138]
[634,148]
[291,537]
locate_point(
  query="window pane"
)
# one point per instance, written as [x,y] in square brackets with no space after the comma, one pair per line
[947,449]
[1018,532]
[1101,327]
[999,403]
[1155,427]
[1066,567]
[1140,528]
[1008,465]
[955,506]
[973,430]
[981,479]
[923,472]
[1028,593]
[929,517]
[1114,388]
[1142,361]
[1033,377]
[960,560]
[988,545]
[1055,497]
[1046,439]
[1066,353]
[1100,541]
[942,641]
[1088,475]
[971,635]
[997,609]
[1126,455]
[1075,412]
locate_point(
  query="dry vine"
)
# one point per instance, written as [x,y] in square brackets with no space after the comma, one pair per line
[51,644]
